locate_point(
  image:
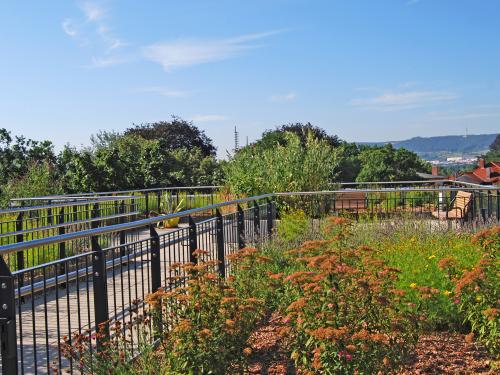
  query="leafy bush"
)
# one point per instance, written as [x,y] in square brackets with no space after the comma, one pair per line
[39,179]
[289,167]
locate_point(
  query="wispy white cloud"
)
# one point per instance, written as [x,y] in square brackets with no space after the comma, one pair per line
[188,52]
[92,30]
[108,38]
[165,91]
[104,62]
[93,11]
[288,97]
[461,116]
[208,118]
[397,101]
[69,28]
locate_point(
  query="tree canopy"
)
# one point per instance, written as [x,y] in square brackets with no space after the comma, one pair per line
[387,163]
[175,134]
[278,136]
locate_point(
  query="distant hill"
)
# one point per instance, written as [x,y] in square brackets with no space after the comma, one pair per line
[444,146]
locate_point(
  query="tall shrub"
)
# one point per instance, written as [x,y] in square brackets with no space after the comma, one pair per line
[290,167]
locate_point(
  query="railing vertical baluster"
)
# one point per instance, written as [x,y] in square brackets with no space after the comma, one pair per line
[20,238]
[49,212]
[62,244]
[256,221]
[490,205]
[99,282]
[219,233]
[8,333]
[481,205]
[269,212]
[240,227]
[146,197]
[193,241]
[158,201]
[122,232]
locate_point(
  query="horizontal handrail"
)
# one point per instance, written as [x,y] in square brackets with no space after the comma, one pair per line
[68,224]
[8,249]
[11,248]
[48,197]
[59,205]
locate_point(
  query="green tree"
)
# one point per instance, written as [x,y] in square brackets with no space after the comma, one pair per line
[18,152]
[389,164]
[175,134]
[494,153]
[278,136]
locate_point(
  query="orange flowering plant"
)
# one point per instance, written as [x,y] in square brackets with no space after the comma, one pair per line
[205,324]
[341,318]
[478,290]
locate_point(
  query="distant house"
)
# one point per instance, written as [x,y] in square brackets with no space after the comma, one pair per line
[434,175]
[484,174]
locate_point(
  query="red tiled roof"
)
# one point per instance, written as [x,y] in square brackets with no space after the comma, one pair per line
[480,175]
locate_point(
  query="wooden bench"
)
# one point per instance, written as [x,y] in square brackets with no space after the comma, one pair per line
[352,201]
[458,209]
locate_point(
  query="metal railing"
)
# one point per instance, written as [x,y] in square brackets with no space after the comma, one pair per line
[40,215]
[48,303]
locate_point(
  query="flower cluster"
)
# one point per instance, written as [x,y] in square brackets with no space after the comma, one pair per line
[340,317]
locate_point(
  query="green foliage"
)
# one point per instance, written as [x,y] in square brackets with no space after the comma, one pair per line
[176,134]
[293,225]
[420,255]
[132,162]
[272,138]
[389,164]
[290,167]
[40,179]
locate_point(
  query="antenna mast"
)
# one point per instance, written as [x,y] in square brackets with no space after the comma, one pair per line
[236,140]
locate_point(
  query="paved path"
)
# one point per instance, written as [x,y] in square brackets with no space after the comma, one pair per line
[45,319]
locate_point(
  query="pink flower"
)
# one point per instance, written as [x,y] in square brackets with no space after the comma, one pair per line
[345,354]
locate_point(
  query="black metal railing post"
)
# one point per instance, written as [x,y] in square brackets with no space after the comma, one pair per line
[498,205]
[146,197]
[155,259]
[122,232]
[256,221]
[219,233]
[99,282]
[269,212]
[156,276]
[193,240]
[490,205]
[62,245]
[8,333]
[240,227]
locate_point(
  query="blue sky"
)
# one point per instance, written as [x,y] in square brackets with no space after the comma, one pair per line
[365,70]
